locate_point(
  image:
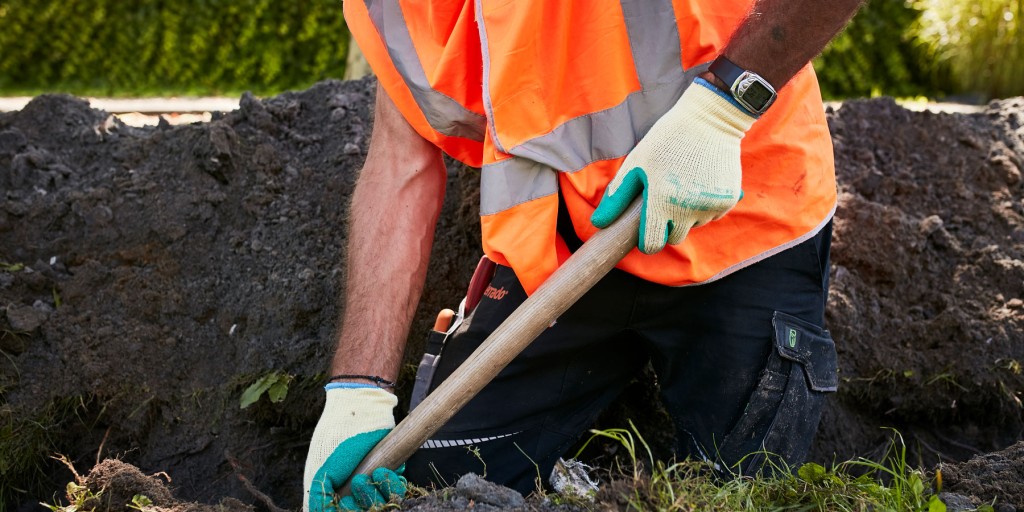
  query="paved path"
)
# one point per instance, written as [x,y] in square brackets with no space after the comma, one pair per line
[222,104]
[147,111]
[141,105]
[930,106]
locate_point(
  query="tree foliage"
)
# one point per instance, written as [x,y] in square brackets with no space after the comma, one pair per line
[880,53]
[152,46]
[142,47]
[982,40]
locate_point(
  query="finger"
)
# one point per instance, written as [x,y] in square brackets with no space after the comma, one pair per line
[654,230]
[365,493]
[349,504]
[723,212]
[615,201]
[727,210]
[679,234]
[390,485]
[320,496]
[338,466]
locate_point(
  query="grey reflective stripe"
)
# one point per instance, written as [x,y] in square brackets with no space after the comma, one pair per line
[514,181]
[486,53]
[444,114]
[654,40]
[611,133]
[607,134]
[572,146]
[449,443]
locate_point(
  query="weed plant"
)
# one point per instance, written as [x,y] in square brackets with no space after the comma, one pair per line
[892,484]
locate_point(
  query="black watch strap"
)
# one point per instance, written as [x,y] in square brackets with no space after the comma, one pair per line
[726,71]
[749,89]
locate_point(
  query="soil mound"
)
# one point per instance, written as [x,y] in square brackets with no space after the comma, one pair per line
[927,280]
[150,275]
[991,478]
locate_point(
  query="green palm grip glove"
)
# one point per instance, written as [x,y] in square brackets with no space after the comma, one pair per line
[354,420]
[687,167]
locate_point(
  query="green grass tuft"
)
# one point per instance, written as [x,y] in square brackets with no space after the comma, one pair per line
[28,439]
[892,484]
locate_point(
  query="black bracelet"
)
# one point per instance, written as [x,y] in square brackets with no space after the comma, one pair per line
[379,381]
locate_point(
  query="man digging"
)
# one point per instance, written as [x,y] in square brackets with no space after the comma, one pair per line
[571,110]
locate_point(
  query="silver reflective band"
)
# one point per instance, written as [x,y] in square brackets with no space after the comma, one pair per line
[604,135]
[512,182]
[444,114]
[607,134]
[450,443]
[654,42]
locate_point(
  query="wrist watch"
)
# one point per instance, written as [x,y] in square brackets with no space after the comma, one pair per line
[748,88]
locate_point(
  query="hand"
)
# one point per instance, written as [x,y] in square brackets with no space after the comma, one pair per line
[687,166]
[355,419]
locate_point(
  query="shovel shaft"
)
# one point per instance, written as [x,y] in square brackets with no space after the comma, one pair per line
[574,278]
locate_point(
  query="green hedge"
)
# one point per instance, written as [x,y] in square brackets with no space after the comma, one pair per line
[119,47]
[143,47]
[982,40]
[881,54]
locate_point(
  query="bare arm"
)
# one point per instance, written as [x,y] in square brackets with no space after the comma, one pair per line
[779,37]
[394,211]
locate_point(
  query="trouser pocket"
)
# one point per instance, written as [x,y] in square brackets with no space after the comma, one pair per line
[781,418]
[443,329]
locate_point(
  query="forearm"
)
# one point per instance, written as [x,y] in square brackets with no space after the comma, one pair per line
[393,214]
[779,37]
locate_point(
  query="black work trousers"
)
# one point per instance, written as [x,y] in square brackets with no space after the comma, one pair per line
[743,364]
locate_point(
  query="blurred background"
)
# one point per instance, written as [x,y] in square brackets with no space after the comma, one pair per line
[958,50]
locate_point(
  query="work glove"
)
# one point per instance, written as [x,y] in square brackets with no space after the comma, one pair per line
[355,418]
[687,166]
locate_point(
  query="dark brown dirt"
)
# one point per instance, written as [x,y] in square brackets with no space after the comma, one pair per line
[167,268]
[927,281]
[996,477]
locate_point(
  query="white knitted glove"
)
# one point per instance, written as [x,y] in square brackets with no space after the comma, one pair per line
[687,166]
[354,420]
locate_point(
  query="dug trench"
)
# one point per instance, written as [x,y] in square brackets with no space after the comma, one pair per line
[149,276]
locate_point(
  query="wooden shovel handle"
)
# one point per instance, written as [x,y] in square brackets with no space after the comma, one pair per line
[574,278]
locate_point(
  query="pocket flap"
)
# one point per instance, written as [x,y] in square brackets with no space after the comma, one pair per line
[805,343]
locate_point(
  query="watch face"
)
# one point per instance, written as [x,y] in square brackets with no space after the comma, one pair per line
[757,95]
[753,93]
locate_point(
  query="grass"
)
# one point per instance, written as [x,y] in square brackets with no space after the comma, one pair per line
[27,439]
[982,40]
[892,484]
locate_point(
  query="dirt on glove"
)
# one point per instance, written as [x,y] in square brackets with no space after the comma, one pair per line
[149,276]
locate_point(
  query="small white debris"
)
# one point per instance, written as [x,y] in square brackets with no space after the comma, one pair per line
[572,478]
[53,260]
[231,332]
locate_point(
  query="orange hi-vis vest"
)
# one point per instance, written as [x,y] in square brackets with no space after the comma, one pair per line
[549,96]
